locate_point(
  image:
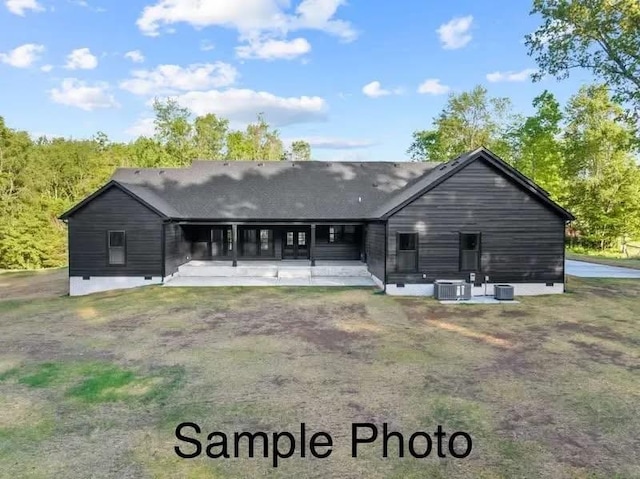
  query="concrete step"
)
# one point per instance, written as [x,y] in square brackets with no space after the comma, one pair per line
[294,272]
[335,271]
[228,271]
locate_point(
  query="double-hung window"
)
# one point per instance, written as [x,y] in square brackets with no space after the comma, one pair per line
[407,252]
[469,251]
[116,242]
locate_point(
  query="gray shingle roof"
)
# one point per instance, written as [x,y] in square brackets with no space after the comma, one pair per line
[247,190]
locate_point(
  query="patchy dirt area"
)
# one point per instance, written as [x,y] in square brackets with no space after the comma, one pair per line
[95,386]
[42,284]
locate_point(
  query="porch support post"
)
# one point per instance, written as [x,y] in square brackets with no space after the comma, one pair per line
[313,245]
[234,236]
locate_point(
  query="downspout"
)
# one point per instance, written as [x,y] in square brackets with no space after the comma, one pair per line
[162,236]
[386,252]
[564,255]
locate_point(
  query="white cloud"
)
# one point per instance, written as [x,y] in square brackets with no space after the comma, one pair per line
[23,56]
[331,143]
[19,7]
[81,59]
[274,49]
[432,86]
[243,105]
[142,127]
[511,76]
[85,4]
[135,56]
[248,17]
[46,68]
[76,93]
[375,90]
[168,79]
[206,45]
[455,33]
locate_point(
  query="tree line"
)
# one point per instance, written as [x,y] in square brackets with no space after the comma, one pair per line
[41,178]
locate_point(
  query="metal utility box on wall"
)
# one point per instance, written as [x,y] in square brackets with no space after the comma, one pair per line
[452,290]
[503,292]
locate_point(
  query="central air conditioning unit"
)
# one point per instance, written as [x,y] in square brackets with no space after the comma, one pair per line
[503,292]
[452,290]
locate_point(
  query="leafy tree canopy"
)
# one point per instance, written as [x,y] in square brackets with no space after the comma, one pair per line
[602,36]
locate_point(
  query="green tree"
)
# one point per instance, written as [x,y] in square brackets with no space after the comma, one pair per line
[257,142]
[300,151]
[211,137]
[538,148]
[470,120]
[174,130]
[600,167]
[602,36]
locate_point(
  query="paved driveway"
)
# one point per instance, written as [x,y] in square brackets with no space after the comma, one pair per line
[583,269]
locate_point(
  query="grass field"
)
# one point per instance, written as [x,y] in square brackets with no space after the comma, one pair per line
[95,386]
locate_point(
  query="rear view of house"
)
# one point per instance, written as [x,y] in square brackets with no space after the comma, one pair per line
[473,218]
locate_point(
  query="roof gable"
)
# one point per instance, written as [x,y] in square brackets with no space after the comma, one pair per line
[112,184]
[446,170]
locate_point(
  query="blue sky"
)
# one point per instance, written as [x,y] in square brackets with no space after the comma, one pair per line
[354,78]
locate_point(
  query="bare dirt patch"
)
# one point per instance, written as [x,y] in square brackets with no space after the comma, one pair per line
[598,331]
[312,325]
[601,354]
[514,313]
[45,284]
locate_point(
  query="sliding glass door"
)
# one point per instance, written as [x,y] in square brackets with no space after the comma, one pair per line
[256,242]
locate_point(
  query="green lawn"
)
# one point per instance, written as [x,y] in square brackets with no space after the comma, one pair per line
[592,258]
[95,386]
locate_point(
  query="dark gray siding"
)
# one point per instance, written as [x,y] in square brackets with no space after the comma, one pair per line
[375,249]
[342,252]
[522,240]
[176,247]
[337,251]
[115,210]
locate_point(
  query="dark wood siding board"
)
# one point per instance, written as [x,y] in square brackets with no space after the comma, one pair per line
[115,210]
[177,248]
[522,239]
[375,244]
[337,251]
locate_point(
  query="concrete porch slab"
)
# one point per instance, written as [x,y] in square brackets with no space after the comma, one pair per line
[212,281]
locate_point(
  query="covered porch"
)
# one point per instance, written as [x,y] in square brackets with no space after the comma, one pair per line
[269,242]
